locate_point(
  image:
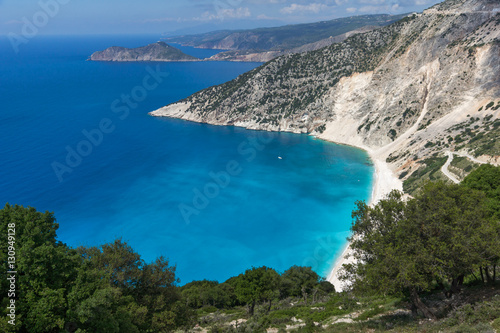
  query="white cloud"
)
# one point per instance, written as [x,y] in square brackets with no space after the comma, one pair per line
[225,13]
[314,8]
[371,9]
[235,13]
[265,2]
[351,10]
[265,17]
[163,19]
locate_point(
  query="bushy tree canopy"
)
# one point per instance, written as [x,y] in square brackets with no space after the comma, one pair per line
[90,289]
[441,235]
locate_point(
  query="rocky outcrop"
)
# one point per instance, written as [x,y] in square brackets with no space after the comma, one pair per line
[404,92]
[159,51]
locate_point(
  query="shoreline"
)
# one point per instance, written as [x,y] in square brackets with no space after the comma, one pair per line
[384,178]
[383,183]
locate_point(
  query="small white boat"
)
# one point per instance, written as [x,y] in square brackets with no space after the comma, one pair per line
[280,157]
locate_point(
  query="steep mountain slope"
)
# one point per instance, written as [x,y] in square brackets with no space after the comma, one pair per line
[407,92]
[159,51]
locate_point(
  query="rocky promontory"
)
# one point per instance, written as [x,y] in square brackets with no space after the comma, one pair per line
[159,51]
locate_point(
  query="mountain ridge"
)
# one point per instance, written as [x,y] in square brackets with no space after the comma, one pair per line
[265,56]
[283,37]
[264,44]
[400,92]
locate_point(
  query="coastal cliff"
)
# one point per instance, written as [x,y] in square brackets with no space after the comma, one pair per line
[407,93]
[159,51]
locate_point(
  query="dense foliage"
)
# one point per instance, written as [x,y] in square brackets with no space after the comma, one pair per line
[89,289]
[434,240]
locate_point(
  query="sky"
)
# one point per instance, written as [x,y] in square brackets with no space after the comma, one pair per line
[171,17]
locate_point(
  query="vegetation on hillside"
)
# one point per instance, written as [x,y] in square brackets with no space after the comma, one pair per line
[431,256]
[477,135]
[430,171]
[431,241]
[293,83]
[159,51]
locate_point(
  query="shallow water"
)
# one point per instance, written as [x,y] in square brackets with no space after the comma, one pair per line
[139,178]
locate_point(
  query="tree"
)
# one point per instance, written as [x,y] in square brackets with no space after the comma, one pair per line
[403,247]
[256,285]
[46,269]
[138,295]
[486,178]
[91,289]
[457,228]
[119,261]
[201,293]
[107,310]
[300,281]
[156,287]
[103,293]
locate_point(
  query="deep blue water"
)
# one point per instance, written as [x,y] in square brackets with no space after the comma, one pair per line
[131,178]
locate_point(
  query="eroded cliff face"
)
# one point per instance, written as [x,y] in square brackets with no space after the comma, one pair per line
[401,91]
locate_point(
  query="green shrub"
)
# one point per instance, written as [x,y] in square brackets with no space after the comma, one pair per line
[207,309]
[371,313]
[465,329]
[496,324]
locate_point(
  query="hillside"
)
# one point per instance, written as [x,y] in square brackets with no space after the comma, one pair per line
[264,56]
[264,44]
[159,51]
[279,38]
[407,93]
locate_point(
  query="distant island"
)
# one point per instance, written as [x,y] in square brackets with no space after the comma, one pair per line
[159,51]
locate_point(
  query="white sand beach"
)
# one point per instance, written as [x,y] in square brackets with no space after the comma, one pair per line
[384,182]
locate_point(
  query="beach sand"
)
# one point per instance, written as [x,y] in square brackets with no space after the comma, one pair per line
[384,182]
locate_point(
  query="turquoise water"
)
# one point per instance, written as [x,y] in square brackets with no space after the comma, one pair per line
[214,200]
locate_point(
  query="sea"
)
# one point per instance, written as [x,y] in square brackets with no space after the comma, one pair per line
[77,140]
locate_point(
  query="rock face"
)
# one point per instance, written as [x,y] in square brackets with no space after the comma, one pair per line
[159,51]
[415,89]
